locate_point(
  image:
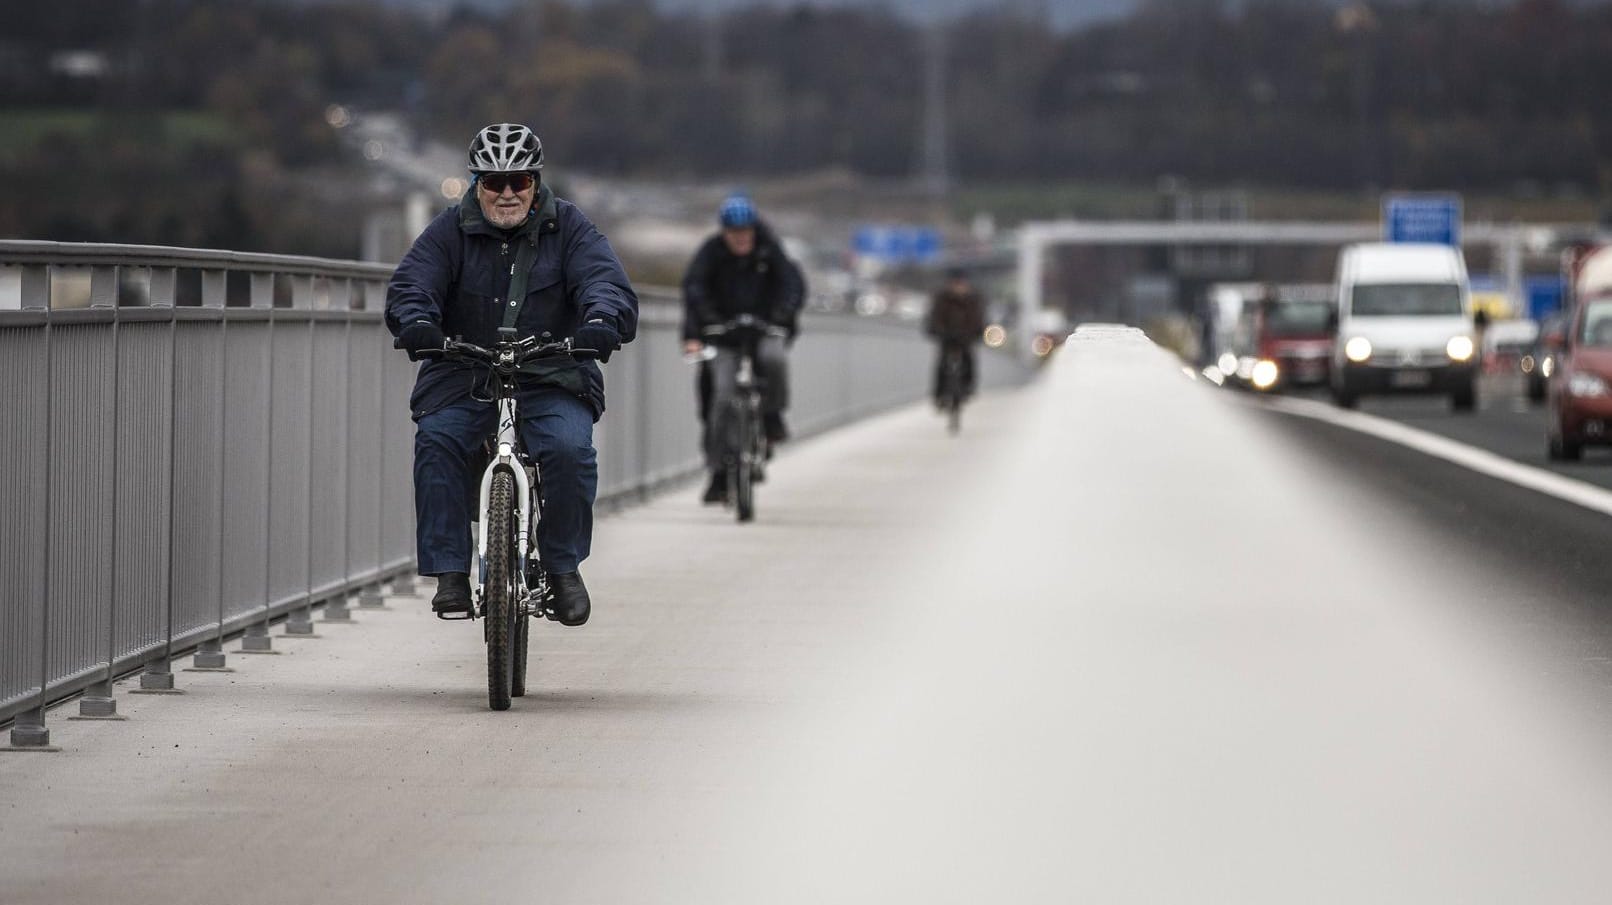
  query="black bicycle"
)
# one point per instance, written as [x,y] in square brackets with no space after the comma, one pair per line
[744,434]
[511,582]
[953,392]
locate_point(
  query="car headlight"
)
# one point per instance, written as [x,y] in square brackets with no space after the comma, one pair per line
[1264,374]
[1459,348]
[1357,349]
[1227,364]
[1582,384]
[1548,366]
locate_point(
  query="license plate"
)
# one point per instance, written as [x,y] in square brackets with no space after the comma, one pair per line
[1407,379]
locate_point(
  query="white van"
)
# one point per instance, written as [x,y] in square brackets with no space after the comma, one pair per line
[1404,324]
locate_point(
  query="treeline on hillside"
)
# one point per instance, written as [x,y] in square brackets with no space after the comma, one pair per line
[1273,92]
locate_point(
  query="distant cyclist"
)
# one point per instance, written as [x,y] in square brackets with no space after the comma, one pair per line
[456,281]
[956,321]
[740,270]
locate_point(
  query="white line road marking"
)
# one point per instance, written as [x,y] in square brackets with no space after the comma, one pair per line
[1482,461]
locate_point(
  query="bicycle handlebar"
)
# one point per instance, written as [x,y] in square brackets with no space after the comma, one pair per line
[745,323]
[505,356]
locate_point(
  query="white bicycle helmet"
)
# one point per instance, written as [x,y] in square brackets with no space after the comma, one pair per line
[506,148]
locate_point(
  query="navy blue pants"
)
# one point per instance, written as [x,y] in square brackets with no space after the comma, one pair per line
[557,429]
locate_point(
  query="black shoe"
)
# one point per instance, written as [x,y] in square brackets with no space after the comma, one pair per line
[453,594]
[717,492]
[773,423]
[570,605]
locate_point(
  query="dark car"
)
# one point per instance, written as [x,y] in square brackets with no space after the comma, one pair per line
[1580,390]
[1540,362]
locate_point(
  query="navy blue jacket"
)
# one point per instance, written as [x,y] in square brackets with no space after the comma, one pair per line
[457,275]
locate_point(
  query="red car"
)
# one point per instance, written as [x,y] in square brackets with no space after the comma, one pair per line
[1284,344]
[1580,392]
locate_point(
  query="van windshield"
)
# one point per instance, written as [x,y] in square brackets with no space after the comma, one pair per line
[1406,299]
[1597,323]
[1300,319]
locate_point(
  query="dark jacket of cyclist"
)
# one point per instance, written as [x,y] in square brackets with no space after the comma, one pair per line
[720,284]
[455,282]
[740,270]
[956,320]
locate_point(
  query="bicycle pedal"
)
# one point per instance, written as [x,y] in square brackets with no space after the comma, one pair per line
[457,616]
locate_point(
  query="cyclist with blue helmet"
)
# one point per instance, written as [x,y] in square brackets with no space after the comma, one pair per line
[741,270]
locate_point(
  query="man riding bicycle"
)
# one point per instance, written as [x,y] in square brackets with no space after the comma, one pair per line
[740,270]
[956,321]
[509,230]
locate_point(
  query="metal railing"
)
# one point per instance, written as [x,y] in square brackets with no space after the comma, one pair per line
[200,443]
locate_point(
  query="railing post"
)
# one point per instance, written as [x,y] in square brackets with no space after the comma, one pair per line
[257,640]
[299,622]
[336,606]
[158,677]
[336,609]
[370,598]
[210,655]
[28,733]
[98,702]
[28,730]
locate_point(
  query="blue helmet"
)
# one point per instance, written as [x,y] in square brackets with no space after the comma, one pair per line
[737,212]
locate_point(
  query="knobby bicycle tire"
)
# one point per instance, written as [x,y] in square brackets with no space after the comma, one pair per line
[744,497]
[500,589]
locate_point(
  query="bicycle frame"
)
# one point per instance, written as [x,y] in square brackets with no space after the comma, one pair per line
[503,362]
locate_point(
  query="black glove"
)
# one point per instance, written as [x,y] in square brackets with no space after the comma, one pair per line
[597,336]
[422,336]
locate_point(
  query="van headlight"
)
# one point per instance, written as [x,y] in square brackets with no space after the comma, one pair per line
[1264,374]
[1582,384]
[1357,349]
[1459,348]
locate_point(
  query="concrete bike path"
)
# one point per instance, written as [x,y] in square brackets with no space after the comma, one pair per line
[1022,664]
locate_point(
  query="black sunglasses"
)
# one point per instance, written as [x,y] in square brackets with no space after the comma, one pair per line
[497,182]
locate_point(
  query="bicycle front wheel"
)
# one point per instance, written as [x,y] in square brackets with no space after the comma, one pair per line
[744,475]
[501,615]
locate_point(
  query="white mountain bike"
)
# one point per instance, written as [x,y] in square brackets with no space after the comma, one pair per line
[511,584]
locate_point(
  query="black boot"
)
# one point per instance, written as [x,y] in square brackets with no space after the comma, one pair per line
[776,430]
[453,594]
[571,604]
[717,492]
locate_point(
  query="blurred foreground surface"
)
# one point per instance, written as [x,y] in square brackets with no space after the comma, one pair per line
[1123,639]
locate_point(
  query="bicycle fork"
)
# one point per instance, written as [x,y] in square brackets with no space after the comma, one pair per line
[505,457]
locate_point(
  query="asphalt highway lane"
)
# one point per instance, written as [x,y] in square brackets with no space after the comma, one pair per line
[1505,422]
[1126,639]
